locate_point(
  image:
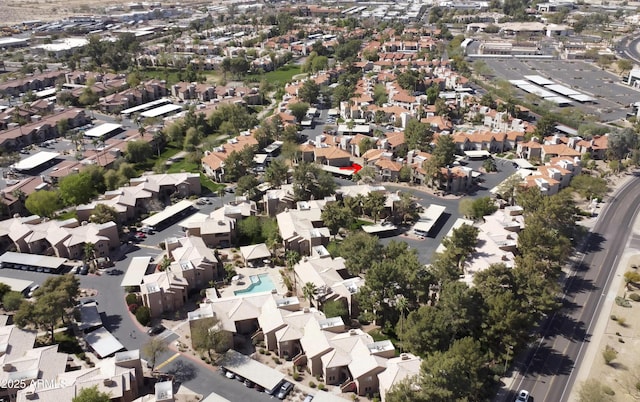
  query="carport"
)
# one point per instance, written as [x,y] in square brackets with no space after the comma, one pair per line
[103,342]
[254,371]
[136,271]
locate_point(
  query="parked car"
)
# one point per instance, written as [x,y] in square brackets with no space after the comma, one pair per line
[523,396]
[309,398]
[32,290]
[140,235]
[156,329]
[284,390]
[84,270]
[239,378]
[230,375]
[249,383]
[147,230]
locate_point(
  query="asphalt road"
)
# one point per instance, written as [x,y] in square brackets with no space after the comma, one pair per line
[628,47]
[547,369]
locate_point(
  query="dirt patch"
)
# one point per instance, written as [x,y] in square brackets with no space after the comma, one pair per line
[16,11]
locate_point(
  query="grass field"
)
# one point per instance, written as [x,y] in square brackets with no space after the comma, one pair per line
[280,76]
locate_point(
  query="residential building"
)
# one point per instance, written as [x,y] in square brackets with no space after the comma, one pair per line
[302,229]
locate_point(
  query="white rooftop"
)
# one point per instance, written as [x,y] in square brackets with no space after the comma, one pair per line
[102,130]
[136,271]
[160,111]
[103,342]
[34,161]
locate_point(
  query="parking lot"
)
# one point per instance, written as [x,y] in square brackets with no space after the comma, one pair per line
[613,96]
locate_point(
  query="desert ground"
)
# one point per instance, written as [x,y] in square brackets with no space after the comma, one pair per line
[16,11]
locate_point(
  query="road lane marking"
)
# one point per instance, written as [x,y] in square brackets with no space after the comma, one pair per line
[166,362]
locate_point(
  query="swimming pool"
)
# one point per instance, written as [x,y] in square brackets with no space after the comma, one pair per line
[259,283]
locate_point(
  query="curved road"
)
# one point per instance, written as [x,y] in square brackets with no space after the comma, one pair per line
[548,368]
[628,47]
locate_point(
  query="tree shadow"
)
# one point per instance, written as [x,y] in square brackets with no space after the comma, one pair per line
[618,366]
[567,327]
[594,243]
[548,362]
[182,371]
[579,285]
[111,322]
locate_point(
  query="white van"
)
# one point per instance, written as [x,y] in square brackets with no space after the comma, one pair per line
[32,290]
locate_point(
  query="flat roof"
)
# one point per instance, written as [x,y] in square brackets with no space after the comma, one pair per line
[34,260]
[136,271]
[196,219]
[583,98]
[562,90]
[337,170]
[89,316]
[146,106]
[477,154]
[160,111]
[429,218]
[213,397]
[34,161]
[538,79]
[17,285]
[244,366]
[378,228]
[103,342]
[102,130]
[169,212]
[558,100]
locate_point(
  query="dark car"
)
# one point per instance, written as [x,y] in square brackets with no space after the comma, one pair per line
[284,390]
[84,270]
[156,329]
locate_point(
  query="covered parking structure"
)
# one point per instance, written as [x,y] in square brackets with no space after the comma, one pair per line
[256,372]
[428,219]
[39,160]
[32,262]
[170,214]
[136,271]
[17,285]
[104,131]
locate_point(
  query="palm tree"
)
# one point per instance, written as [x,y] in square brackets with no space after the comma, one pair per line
[309,291]
[291,259]
[401,305]
[89,251]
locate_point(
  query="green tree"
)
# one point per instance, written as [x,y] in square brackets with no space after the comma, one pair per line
[374,204]
[91,394]
[54,301]
[12,300]
[309,291]
[250,230]
[103,213]
[336,308]
[417,135]
[445,150]
[206,335]
[589,187]
[43,203]
[276,173]
[309,92]
[138,151]
[299,110]
[309,181]
[152,349]
[77,189]
[247,186]
[238,164]
[4,289]
[358,250]
[461,243]
[88,97]
[143,315]
[336,216]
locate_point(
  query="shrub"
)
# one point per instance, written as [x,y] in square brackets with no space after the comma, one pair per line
[622,302]
[296,376]
[312,384]
[608,390]
[321,387]
[609,354]
[613,317]
[276,360]
[622,321]
[143,315]
[132,298]
[635,297]
[133,308]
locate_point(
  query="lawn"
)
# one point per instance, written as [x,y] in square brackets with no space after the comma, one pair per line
[183,166]
[282,75]
[170,75]
[67,215]
[205,182]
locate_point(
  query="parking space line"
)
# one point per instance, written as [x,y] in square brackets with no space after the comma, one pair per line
[166,362]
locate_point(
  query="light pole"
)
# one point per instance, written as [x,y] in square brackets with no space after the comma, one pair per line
[507,358]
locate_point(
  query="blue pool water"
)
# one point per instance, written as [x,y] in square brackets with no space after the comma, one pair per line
[259,283]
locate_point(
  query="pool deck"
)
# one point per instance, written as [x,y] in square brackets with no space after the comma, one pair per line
[245,282]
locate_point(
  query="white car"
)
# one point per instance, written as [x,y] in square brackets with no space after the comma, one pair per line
[523,396]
